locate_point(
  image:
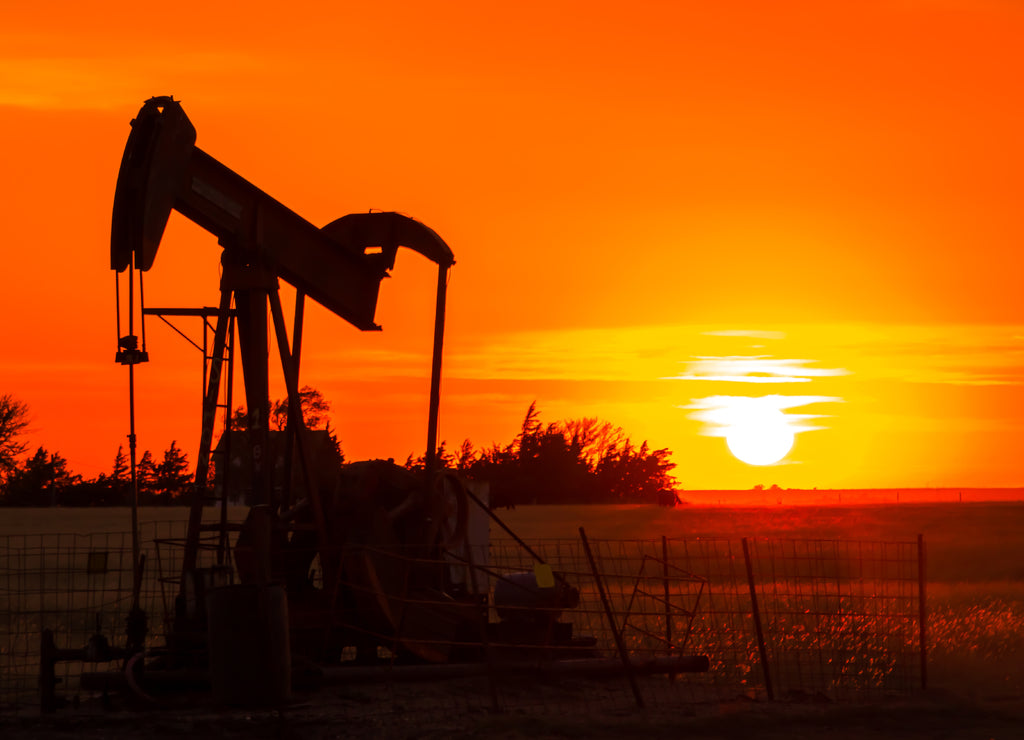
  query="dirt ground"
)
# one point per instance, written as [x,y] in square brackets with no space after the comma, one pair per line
[932,715]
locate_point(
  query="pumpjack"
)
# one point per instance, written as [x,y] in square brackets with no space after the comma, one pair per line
[367,558]
[376,533]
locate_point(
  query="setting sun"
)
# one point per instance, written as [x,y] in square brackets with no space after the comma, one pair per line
[755,429]
[759,435]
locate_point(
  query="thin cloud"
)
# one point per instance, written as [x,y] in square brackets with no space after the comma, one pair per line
[754,369]
[969,378]
[749,333]
[717,413]
[961,355]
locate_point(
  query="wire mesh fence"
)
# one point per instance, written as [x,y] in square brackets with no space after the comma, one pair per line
[74,585]
[840,618]
[540,625]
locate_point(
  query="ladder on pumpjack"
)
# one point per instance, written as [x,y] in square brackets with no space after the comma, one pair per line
[215,360]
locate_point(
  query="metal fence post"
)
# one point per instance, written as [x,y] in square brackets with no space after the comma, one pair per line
[757,622]
[923,609]
[668,603]
[623,654]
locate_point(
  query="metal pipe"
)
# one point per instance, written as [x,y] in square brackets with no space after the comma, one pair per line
[497,520]
[142,312]
[225,473]
[289,365]
[293,424]
[435,373]
[136,548]
[117,304]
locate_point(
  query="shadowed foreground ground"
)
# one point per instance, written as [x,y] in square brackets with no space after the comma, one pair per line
[934,715]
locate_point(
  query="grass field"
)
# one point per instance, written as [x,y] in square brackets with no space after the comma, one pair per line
[974,566]
[966,543]
[975,574]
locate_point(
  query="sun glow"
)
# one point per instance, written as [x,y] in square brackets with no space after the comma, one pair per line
[759,435]
[757,430]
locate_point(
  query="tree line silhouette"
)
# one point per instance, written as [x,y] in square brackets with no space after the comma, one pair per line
[570,462]
[44,478]
[580,461]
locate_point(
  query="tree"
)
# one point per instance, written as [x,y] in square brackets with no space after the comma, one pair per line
[591,438]
[578,461]
[314,407]
[525,442]
[628,474]
[98,492]
[335,442]
[119,482]
[239,419]
[42,481]
[121,472]
[13,423]
[172,478]
[145,475]
[554,470]
[443,459]
[465,457]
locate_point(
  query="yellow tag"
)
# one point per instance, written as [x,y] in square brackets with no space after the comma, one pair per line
[543,575]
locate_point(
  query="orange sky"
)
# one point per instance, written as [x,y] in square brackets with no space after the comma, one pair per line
[651,205]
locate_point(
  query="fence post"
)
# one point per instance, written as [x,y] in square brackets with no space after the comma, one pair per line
[923,609]
[757,622]
[611,622]
[47,673]
[668,604]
